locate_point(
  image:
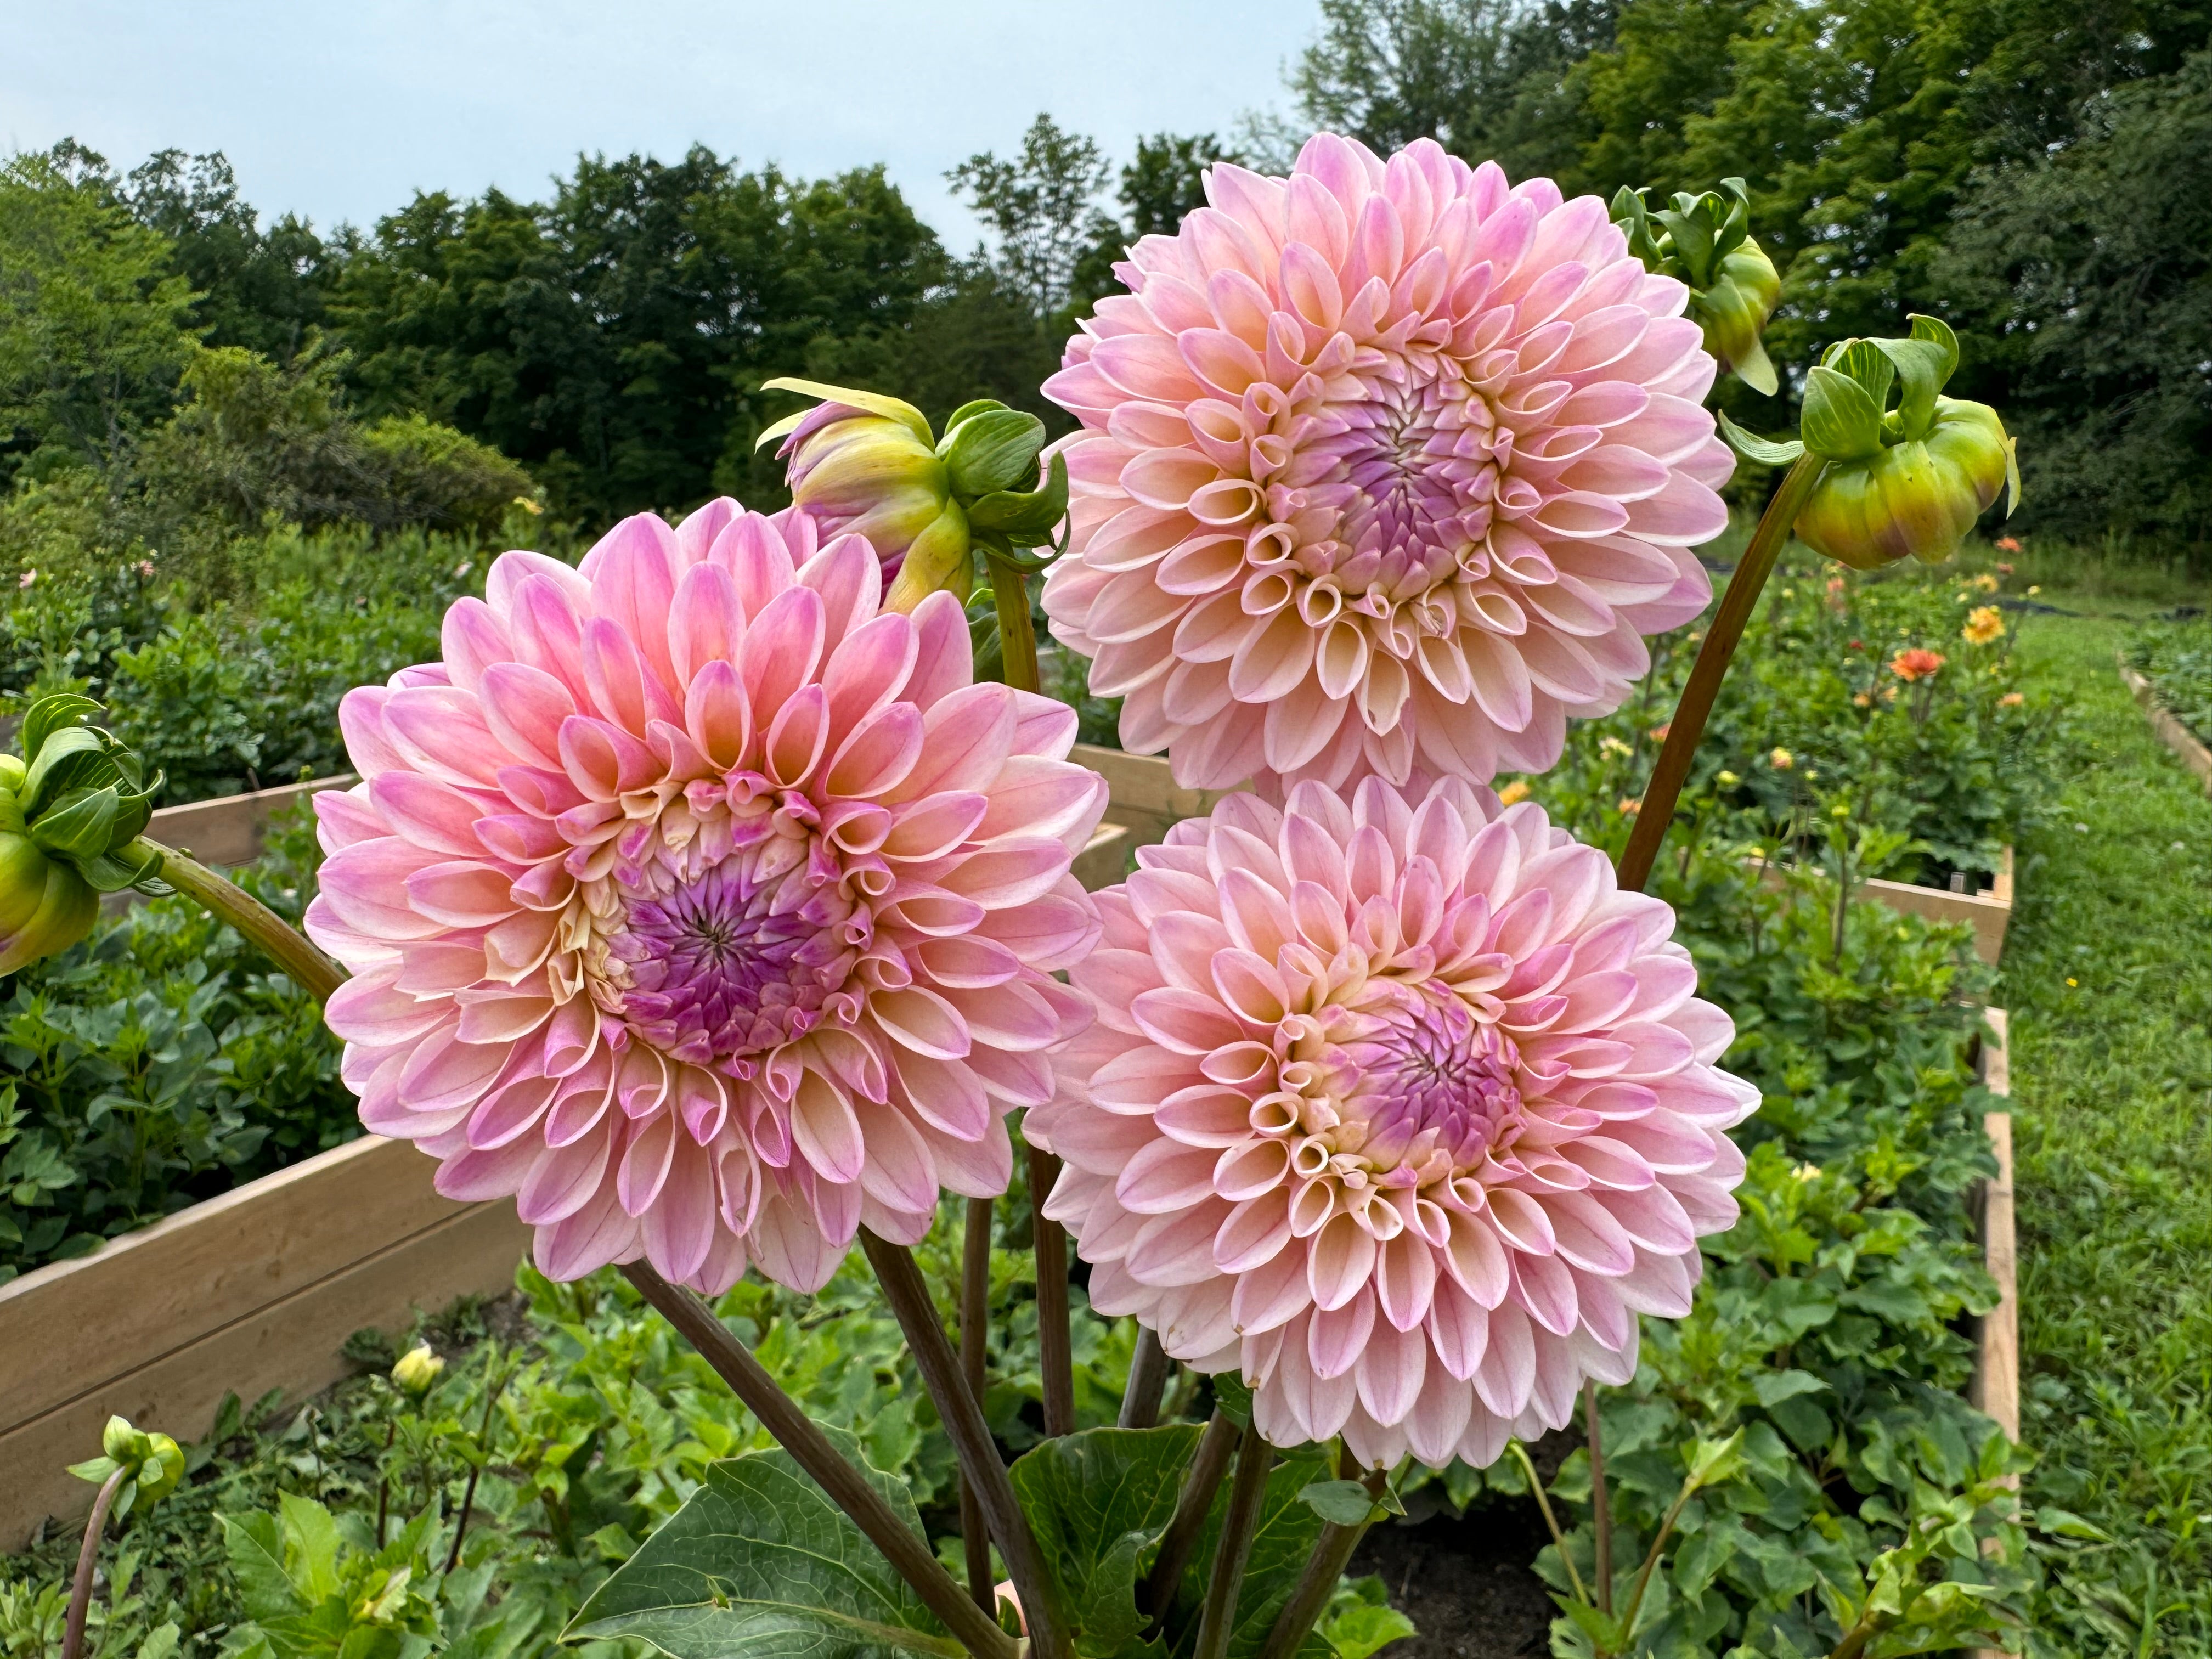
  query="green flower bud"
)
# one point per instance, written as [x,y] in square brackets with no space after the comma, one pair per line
[1704,241]
[152,1465]
[70,810]
[864,464]
[418,1369]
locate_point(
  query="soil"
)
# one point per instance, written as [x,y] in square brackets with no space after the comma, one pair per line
[1466,1581]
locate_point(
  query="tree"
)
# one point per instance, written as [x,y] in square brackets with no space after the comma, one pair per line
[1042,208]
[94,320]
[1161,185]
[262,289]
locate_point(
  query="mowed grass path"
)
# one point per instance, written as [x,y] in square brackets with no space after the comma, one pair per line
[2108,974]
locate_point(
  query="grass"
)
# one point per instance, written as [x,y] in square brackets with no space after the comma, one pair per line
[2108,972]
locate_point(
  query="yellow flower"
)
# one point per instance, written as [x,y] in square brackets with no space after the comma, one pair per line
[1630,807]
[418,1369]
[1983,624]
[1987,582]
[1781,760]
[1727,779]
[2034,588]
[1613,746]
[1807,1172]
[1514,792]
[1863,701]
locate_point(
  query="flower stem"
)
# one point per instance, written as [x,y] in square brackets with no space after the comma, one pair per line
[1551,1522]
[1148,1381]
[1238,1529]
[88,1558]
[306,966]
[1200,1485]
[1331,1555]
[476,1469]
[1055,1343]
[975,1341]
[1600,1499]
[1203,1478]
[962,1415]
[1687,727]
[811,1450]
[1010,592]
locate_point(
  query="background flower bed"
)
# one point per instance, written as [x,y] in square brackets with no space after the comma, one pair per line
[2175,658]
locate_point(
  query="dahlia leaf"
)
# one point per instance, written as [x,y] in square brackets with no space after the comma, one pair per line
[1098,1502]
[1765,451]
[1342,1502]
[759,1563]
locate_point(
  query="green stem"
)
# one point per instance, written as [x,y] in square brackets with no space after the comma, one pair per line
[1010,592]
[975,1346]
[1600,1500]
[1148,1381]
[306,966]
[1331,1555]
[1551,1520]
[1687,728]
[1200,1482]
[1238,1529]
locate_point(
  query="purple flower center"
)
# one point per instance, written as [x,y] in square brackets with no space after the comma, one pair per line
[1416,472]
[725,966]
[1431,1077]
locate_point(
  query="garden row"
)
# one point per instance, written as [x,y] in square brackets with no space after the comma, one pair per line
[2168,666]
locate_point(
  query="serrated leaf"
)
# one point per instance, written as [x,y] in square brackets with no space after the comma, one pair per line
[1840,421]
[759,1564]
[1358,1632]
[1341,1503]
[1098,1502]
[1766,452]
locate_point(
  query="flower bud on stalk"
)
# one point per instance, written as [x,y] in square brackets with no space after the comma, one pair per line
[1908,480]
[152,1465]
[418,1369]
[68,810]
[867,464]
[1705,241]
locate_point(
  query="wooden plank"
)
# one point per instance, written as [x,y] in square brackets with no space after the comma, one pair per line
[227,830]
[2171,732]
[164,1286]
[291,1343]
[1988,914]
[1146,801]
[1995,1390]
[1104,859]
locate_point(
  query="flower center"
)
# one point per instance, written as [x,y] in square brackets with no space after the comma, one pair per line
[1430,1078]
[734,962]
[1415,474]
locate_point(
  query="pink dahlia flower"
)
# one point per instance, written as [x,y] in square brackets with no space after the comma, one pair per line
[1399,1109]
[1387,469]
[701,907]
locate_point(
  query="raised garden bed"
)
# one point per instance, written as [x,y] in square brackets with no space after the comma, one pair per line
[2171,732]
[1988,914]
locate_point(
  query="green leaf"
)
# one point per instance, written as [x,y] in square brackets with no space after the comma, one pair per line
[1343,1503]
[1233,1398]
[1937,332]
[1028,518]
[1098,1501]
[1280,1547]
[311,1547]
[1360,1631]
[75,758]
[1772,1387]
[967,410]
[1766,452]
[50,714]
[255,1544]
[1839,422]
[759,1564]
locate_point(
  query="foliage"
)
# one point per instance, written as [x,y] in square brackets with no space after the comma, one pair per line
[1039,208]
[2175,658]
[155,1064]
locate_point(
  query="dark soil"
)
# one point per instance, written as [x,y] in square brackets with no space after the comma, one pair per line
[1466,1581]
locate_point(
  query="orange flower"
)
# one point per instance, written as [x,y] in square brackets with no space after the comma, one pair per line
[1983,624]
[2005,543]
[1514,792]
[1861,700]
[1630,806]
[1917,664]
[1659,732]
[2011,700]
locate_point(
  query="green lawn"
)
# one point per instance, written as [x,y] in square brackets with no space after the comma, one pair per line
[2108,974]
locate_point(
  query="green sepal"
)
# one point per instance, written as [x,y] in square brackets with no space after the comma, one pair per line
[1766,452]
[967,410]
[80,826]
[72,758]
[96,1469]
[1026,519]
[890,409]
[1840,421]
[1938,333]
[1921,371]
[50,714]
[991,452]
[1866,362]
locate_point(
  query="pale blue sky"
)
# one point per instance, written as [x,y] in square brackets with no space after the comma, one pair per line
[342,111]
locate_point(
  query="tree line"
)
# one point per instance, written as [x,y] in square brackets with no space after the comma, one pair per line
[2036,171]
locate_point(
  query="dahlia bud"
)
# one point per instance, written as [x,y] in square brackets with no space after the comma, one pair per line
[1909,479]
[152,1465]
[69,809]
[418,1369]
[867,464]
[1705,241]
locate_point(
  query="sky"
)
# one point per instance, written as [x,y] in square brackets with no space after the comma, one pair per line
[340,112]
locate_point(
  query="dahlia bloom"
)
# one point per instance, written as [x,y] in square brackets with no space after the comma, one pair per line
[702,906]
[1917,664]
[1386,468]
[1397,1108]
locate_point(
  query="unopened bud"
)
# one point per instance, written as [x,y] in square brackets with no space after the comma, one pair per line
[418,1369]
[1705,242]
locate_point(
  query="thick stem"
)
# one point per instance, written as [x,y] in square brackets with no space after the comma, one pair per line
[811,1450]
[908,1292]
[1687,727]
[1331,1555]
[1010,592]
[1200,1482]
[1148,1381]
[88,1558]
[1238,1529]
[1600,1499]
[975,1346]
[306,967]
[1055,1343]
